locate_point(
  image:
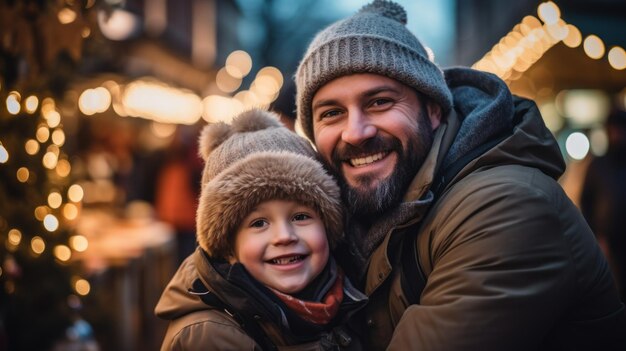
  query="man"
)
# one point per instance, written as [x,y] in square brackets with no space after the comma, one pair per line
[451,164]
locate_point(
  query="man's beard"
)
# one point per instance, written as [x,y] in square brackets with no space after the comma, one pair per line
[372,197]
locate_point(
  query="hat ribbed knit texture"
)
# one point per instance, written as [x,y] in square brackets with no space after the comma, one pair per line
[374,40]
[252,160]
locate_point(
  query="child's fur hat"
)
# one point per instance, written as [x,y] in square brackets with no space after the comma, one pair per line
[252,160]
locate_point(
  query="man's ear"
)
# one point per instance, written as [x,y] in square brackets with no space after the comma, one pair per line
[434,113]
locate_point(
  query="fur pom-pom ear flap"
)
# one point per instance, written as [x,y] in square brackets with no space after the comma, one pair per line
[212,136]
[255,119]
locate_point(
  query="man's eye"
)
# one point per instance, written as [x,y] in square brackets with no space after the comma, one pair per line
[259,223]
[330,113]
[380,102]
[301,217]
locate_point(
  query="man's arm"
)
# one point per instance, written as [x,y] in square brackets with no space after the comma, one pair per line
[501,269]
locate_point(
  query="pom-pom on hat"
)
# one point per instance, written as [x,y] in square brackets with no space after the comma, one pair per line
[252,160]
[374,40]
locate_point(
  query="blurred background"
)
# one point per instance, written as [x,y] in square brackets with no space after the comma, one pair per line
[101,102]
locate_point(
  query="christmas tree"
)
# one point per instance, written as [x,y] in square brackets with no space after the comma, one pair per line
[40,285]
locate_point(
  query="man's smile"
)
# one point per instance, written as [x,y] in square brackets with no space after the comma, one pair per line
[361,161]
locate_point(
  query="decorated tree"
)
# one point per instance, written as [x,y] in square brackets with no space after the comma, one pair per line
[40,286]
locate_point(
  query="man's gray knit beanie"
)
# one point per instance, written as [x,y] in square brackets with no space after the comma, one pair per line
[374,40]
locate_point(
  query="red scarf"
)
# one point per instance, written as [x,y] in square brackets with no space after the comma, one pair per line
[317,312]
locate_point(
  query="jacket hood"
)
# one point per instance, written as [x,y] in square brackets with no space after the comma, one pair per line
[487,111]
[176,301]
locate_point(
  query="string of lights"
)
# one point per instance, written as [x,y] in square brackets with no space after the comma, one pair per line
[529,40]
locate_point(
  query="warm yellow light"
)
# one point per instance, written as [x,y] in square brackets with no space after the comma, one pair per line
[31,146]
[529,23]
[162,103]
[272,72]
[13,103]
[558,30]
[225,82]
[14,237]
[249,99]
[22,174]
[75,193]
[238,64]
[93,101]
[58,137]
[42,134]
[594,47]
[267,84]
[86,102]
[50,222]
[549,12]
[31,104]
[53,118]
[54,149]
[63,168]
[617,58]
[62,252]
[220,109]
[47,105]
[37,245]
[82,287]
[66,15]
[41,212]
[79,243]
[49,160]
[86,32]
[4,154]
[162,130]
[55,199]
[573,38]
[70,211]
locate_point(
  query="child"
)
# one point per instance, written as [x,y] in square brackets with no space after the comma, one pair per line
[262,277]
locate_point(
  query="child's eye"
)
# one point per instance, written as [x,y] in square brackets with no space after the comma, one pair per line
[259,223]
[301,217]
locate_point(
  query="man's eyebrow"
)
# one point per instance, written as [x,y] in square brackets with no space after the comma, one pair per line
[380,89]
[322,103]
[367,93]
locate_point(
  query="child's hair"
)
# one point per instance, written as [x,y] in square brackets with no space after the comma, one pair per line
[253,160]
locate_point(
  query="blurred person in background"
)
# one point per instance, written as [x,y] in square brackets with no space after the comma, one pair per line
[178,187]
[603,198]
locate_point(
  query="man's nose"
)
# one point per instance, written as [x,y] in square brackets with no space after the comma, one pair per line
[358,128]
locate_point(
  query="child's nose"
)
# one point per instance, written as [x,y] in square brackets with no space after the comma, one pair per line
[285,234]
